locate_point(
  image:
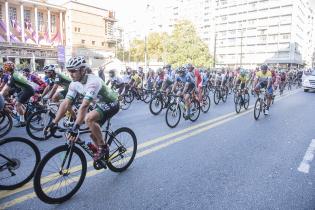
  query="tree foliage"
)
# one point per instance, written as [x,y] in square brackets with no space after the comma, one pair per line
[181,47]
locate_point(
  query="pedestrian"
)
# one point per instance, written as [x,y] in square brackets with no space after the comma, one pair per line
[101,73]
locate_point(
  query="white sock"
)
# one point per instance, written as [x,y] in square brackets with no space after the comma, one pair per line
[22,119]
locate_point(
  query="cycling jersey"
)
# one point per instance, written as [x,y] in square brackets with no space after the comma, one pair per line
[169,76]
[116,80]
[242,79]
[263,77]
[5,78]
[136,78]
[92,88]
[62,80]
[19,81]
[41,85]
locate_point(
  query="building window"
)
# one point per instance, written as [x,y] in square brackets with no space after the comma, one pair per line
[27,15]
[79,29]
[82,41]
[40,21]
[12,13]
[53,24]
[75,29]
[103,44]
[1,17]
[286,36]
[93,42]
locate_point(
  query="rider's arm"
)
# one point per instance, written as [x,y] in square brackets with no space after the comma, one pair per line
[53,90]
[5,90]
[46,90]
[64,106]
[82,112]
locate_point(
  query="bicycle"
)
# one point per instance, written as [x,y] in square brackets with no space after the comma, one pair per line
[19,158]
[70,154]
[174,110]
[220,93]
[159,102]
[260,104]
[242,100]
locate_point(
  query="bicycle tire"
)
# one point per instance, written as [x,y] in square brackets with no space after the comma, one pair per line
[172,108]
[195,112]
[37,176]
[246,100]
[238,105]
[153,102]
[29,126]
[224,97]
[257,109]
[5,129]
[206,99]
[37,159]
[112,139]
[216,97]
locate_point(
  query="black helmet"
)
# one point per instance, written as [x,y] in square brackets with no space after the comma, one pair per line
[264,67]
[26,70]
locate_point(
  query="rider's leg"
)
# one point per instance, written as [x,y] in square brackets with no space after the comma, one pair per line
[91,120]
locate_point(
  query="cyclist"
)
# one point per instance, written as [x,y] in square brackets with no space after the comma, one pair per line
[4,78]
[242,80]
[264,80]
[41,85]
[93,89]
[56,80]
[15,83]
[115,81]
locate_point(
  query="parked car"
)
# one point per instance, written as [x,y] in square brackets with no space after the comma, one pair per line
[308,80]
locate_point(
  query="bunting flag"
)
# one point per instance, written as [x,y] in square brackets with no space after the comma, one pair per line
[3,32]
[16,29]
[31,34]
[56,40]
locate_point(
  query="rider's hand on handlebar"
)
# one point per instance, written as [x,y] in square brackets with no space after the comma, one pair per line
[73,133]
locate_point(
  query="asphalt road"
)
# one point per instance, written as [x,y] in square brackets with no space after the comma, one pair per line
[223,161]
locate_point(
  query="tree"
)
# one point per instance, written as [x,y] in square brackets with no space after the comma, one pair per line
[156,46]
[184,46]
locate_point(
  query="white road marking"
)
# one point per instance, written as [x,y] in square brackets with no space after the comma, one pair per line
[308,157]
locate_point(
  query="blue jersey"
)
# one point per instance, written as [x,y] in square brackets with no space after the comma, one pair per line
[5,78]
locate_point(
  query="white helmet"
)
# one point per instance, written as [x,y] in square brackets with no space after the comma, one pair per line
[76,63]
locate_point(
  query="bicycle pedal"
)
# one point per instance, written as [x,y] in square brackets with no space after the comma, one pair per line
[100,164]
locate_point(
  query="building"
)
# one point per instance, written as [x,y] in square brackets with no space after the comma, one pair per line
[30,31]
[52,33]
[244,32]
[251,32]
[91,32]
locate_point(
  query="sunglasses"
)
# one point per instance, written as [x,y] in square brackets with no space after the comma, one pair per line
[72,71]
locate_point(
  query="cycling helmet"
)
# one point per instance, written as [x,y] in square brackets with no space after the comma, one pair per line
[189,66]
[264,67]
[49,68]
[8,66]
[76,63]
[242,72]
[26,70]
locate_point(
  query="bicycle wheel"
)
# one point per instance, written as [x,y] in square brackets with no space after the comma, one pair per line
[35,128]
[124,104]
[246,100]
[129,96]
[206,103]
[195,110]
[235,97]
[173,115]
[224,95]
[238,104]
[257,109]
[122,149]
[55,183]
[18,160]
[156,105]
[148,96]
[6,123]
[216,97]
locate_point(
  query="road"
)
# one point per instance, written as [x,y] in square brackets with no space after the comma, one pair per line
[223,161]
